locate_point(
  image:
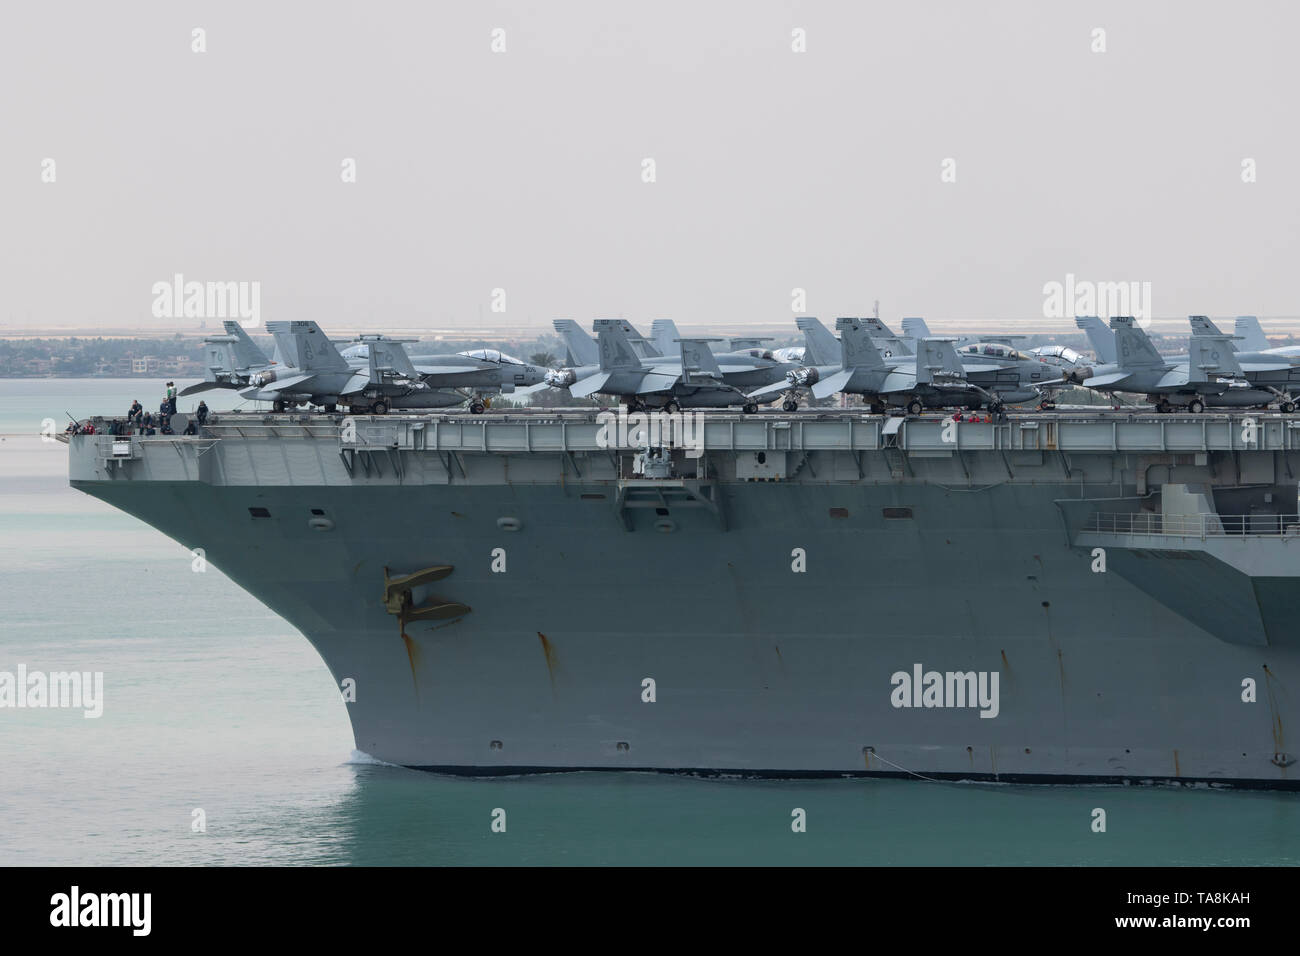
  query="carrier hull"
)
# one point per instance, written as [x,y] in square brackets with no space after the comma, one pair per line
[753,618]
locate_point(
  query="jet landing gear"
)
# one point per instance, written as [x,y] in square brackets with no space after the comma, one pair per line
[1286,408]
[914,407]
[1163,406]
[789,405]
[476,407]
[749,408]
[1195,406]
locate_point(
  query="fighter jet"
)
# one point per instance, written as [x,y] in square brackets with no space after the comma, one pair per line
[933,377]
[1272,373]
[314,371]
[974,379]
[696,379]
[1264,376]
[478,372]
[1017,376]
[1211,369]
[231,360]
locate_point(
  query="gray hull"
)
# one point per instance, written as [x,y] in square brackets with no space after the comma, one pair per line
[966,559]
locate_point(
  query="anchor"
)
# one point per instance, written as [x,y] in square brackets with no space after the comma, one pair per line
[399,601]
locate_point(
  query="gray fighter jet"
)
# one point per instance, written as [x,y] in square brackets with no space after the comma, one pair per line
[312,371]
[1272,373]
[479,373]
[934,377]
[1262,377]
[696,379]
[232,359]
[974,379]
[1210,370]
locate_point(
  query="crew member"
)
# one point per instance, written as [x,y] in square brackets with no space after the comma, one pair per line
[202,412]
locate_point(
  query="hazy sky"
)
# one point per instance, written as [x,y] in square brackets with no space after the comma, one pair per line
[523,170]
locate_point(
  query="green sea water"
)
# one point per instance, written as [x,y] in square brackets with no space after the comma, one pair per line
[213,703]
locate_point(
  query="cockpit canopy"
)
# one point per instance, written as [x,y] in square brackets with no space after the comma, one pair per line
[494,355]
[1059,355]
[994,350]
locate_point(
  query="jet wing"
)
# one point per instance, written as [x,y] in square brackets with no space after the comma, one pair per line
[898,382]
[1262,367]
[653,382]
[1101,381]
[356,383]
[781,386]
[1175,379]
[203,387]
[280,385]
[832,383]
[589,385]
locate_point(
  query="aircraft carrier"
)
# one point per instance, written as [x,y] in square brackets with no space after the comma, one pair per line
[1115,593]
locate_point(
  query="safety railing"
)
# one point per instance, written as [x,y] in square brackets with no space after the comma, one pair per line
[1192,526]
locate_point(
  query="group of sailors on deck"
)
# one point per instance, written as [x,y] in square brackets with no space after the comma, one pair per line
[138,421]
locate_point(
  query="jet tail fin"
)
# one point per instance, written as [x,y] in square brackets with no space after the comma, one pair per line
[856,348]
[936,360]
[914,327]
[389,358]
[820,347]
[1134,345]
[698,360]
[219,353]
[581,346]
[1209,356]
[664,334]
[641,345]
[1100,337]
[1253,338]
[304,346]
[613,339]
[244,350]
[896,345]
[1201,325]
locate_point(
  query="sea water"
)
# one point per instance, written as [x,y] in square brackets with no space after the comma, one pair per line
[223,739]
